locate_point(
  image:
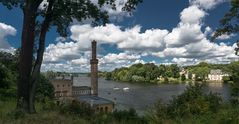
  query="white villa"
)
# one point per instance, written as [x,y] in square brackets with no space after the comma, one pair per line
[216,75]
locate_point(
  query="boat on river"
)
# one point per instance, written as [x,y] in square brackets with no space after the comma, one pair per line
[126,88]
[116,88]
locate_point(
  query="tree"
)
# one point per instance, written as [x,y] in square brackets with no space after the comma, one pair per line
[183,78]
[45,89]
[234,66]
[175,70]
[162,69]
[229,23]
[36,23]
[5,80]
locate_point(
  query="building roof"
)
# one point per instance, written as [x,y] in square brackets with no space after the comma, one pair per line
[94,100]
[82,81]
[216,72]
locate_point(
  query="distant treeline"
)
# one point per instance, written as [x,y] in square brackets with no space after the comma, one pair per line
[143,73]
[152,73]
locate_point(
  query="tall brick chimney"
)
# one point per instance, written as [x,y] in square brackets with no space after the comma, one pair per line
[94,70]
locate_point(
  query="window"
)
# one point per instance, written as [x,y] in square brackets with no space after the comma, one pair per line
[63,85]
[106,109]
[57,85]
[101,109]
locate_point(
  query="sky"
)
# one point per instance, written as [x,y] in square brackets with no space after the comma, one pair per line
[158,31]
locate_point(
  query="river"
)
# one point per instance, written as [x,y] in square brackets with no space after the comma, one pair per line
[142,96]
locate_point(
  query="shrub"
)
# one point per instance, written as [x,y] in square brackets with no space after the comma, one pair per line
[183,78]
[75,108]
[192,102]
[136,78]
[226,79]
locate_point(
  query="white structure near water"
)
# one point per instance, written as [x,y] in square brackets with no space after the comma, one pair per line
[216,75]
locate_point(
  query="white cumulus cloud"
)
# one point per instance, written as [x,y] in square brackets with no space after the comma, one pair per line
[6,30]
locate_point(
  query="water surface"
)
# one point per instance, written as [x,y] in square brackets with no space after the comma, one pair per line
[142,96]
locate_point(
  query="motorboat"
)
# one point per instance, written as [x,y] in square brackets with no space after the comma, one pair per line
[126,88]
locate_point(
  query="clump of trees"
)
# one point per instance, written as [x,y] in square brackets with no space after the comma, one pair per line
[9,74]
[148,72]
[191,103]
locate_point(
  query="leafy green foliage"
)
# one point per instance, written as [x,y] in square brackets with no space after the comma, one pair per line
[120,117]
[8,74]
[44,90]
[78,110]
[183,78]
[75,108]
[148,72]
[226,79]
[234,66]
[229,22]
[192,102]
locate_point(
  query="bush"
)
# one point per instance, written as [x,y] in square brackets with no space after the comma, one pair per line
[119,117]
[226,79]
[75,108]
[136,78]
[192,102]
[44,89]
[183,78]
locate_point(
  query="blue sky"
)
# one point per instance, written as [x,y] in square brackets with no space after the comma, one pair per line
[165,31]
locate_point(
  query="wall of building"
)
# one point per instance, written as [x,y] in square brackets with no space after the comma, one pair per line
[79,92]
[215,77]
[104,108]
[63,88]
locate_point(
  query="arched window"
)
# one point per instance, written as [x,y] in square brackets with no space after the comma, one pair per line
[106,109]
[101,109]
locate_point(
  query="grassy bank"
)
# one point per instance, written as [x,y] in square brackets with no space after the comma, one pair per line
[49,113]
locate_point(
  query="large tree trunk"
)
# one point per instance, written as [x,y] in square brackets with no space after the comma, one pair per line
[40,52]
[26,55]
[37,67]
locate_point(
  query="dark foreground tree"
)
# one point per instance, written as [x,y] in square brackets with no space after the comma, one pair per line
[36,22]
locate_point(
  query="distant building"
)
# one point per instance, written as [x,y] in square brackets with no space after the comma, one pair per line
[185,72]
[193,76]
[63,87]
[86,95]
[216,75]
[80,90]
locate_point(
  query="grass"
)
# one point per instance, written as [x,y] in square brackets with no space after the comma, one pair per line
[8,115]
[54,115]
[227,114]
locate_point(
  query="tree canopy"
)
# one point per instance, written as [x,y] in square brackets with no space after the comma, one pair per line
[229,23]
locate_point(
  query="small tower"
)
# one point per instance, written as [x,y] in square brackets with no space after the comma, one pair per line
[94,70]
